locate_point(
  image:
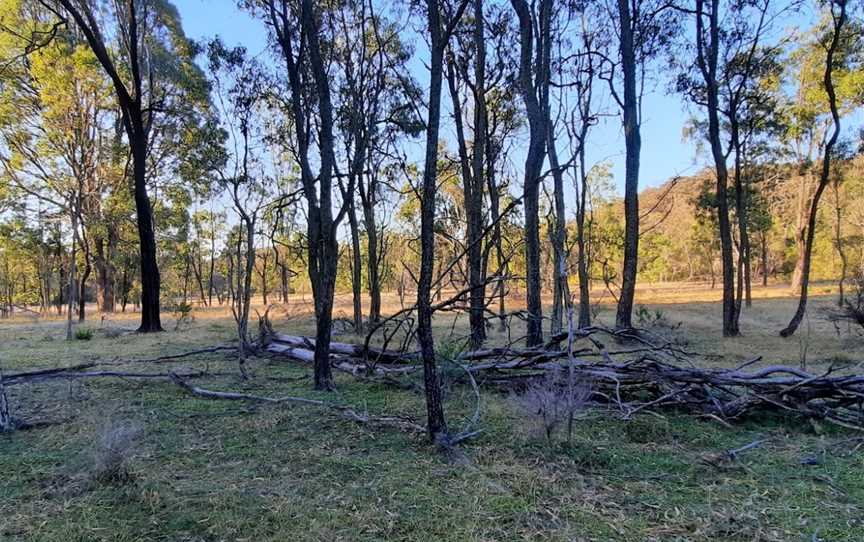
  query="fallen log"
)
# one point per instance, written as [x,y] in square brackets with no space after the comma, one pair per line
[648,381]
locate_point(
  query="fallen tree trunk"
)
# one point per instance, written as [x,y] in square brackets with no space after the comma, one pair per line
[635,379]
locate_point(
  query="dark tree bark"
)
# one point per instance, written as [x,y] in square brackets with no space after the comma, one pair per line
[472,183]
[136,122]
[368,198]
[707,54]
[436,423]
[633,145]
[85,275]
[356,266]
[323,250]
[581,243]
[561,290]
[838,19]
[534,86]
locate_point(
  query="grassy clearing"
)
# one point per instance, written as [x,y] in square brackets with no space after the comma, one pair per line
[205,470]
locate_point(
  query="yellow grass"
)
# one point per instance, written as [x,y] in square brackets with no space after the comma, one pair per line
[694,308]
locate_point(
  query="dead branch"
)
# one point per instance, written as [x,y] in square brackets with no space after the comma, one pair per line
[643,379]
[345,411]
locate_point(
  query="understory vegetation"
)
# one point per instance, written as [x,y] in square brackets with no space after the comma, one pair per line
[126,459]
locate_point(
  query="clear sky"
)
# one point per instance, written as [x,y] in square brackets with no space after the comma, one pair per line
[664,152]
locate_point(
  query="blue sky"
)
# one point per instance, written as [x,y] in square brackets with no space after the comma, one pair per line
[664,152]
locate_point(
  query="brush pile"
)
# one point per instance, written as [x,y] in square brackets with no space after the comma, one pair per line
[640,375]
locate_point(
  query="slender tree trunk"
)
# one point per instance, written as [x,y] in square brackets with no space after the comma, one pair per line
[584,278]
[356,267]
[472,190]
[106,249]
[633,145]
[436,422]
[708,65]
[476,263]
[497,241]
[212,261]
[534,89]
[82,285]
[825,173]
[71,286]
[561,289]
[741,211]
[372,266]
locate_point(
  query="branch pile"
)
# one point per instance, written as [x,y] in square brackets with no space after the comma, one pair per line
[642,375]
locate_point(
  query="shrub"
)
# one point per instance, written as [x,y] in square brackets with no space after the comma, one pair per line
[183,313]
[83,334]
[554,400]
[112,450]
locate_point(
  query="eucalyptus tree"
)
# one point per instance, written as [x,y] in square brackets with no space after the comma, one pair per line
[534,58]
[440,26]
[732,64]
[54,126]
[580,113]
[373,111]
[643,29]
[841,48]
[464,53]
[298,30]
[241,89]
[142,49]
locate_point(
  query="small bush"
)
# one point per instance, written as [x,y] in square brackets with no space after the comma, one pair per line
[83,334]
[112,450]
[554,401]
[183,313]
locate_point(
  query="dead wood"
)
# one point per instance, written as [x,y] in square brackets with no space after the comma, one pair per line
[648,377]
[344,410]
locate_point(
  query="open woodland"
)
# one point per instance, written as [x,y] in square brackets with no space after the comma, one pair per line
[391,277]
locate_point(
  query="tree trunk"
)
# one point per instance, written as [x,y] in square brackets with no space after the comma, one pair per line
[476,260]
[633,145]
[534,91]
[106,249]
[150,318]
[82,284]
[71,286]
[561,289]
[372,266]
[584,278]
[472,190]
[356,267]
[741,211]
[436,422]
[708,66]
[825,173]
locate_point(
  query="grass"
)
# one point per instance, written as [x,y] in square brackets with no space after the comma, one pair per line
[207,470]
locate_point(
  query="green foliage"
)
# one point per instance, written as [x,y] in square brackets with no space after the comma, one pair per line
[83,334]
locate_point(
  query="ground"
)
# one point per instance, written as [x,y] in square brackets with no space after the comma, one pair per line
[199,470]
